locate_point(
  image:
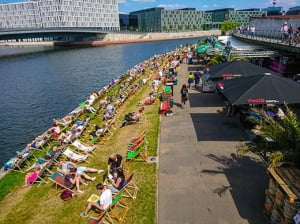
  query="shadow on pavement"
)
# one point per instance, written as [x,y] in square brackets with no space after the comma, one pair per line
[247,183]
[216,127]
[206,100]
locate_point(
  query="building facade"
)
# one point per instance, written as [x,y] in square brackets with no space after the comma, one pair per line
[293,11]
[242,17]
[100,14]
[158,19]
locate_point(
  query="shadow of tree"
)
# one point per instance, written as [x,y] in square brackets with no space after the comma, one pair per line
[247,183]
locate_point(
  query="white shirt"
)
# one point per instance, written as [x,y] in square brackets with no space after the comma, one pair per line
[106,199]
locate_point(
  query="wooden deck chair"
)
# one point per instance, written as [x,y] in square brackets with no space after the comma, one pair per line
[142,120]
[75,157]
[17,164]
[138,138]
[94,220]
[59,180]
[117,210]
[130,189]
[141,152]
[44,169]
[82,147]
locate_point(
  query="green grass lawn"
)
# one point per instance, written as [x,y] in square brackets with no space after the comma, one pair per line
[42,204]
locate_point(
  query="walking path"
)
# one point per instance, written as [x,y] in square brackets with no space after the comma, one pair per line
[201,179]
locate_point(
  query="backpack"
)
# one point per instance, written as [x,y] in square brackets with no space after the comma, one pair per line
[66,195]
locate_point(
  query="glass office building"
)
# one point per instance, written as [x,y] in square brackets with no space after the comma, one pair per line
[159,19]
[100,14]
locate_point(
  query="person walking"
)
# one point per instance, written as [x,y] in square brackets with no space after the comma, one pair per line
[197,76]
[184,95]
[284,32]
[190,79]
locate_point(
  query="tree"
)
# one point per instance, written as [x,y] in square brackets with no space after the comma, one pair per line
[228,25]
[131,28]
[164,28]
[180,27]
[283,135]
[171,27]
[187,27]
[195,27]
[215,59]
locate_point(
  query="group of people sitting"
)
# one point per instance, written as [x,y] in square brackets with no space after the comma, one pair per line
[113,183]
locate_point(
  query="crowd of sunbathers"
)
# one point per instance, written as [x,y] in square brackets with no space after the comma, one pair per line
[76,176]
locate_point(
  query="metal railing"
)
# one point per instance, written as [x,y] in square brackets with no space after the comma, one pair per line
[270,36]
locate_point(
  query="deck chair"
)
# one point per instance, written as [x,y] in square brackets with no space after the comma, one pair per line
[130,189]
[138,138]
[59,180]
[75,157]
[117,210]
[82,147]
[141,152]
[44,169]
[16,164]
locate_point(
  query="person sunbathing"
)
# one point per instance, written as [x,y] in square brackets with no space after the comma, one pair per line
[31,177]
[66,166]
[10,164]
[65,121]
[99,131]
[132,117]
[147,101]
[73,179]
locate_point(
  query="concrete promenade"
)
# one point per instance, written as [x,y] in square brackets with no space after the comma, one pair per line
[201,179]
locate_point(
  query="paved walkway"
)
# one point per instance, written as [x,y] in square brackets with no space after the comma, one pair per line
[201,180]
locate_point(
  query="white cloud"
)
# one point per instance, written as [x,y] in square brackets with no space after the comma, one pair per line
[122,1]
[143,0]
[172,6]
[205,6]
[215,5]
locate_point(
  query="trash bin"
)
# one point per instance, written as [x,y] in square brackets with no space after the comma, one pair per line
[171,102]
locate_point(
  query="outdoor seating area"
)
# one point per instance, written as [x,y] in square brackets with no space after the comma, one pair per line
[81,134]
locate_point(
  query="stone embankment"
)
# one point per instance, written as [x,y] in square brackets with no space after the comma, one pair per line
[158,36]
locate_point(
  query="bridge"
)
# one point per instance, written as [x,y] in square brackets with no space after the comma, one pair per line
[269,42]
[57,34]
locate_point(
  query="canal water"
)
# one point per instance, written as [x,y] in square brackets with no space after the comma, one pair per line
[39,87]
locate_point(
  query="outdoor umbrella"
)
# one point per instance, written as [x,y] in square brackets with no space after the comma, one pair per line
[236,69]
[260,89]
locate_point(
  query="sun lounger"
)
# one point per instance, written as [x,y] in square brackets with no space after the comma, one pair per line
[140,151]
[82,147]
[59,180]
[74,156]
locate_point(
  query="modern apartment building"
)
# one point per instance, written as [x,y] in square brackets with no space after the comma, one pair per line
[100,14]
[159,19]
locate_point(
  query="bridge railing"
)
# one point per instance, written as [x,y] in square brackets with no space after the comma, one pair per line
[272,36]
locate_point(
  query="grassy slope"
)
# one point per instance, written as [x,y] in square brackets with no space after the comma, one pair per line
[43,205]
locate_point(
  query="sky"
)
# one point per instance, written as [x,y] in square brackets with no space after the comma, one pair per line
[126,6]
[133,5]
